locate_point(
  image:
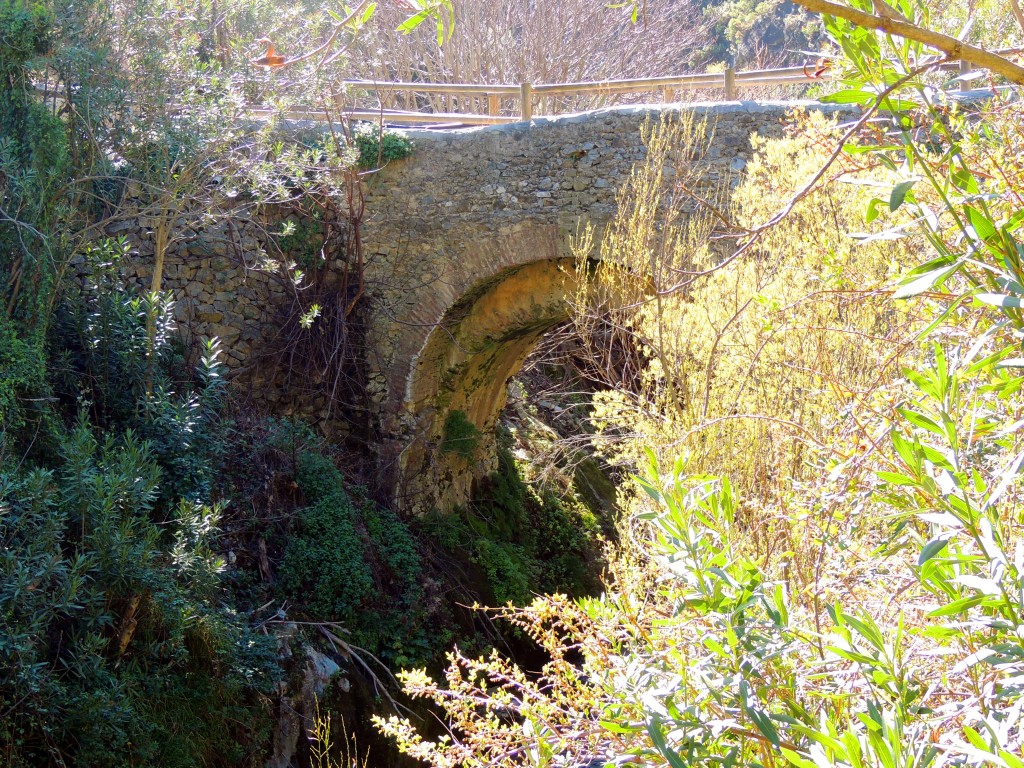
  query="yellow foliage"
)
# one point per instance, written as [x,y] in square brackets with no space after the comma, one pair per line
[752,362]
[799,605]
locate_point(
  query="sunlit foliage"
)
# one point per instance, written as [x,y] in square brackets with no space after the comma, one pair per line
[854,597]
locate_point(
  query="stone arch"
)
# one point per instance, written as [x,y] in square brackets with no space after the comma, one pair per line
[463,369]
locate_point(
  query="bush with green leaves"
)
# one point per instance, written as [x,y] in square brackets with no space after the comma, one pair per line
[117,646]
[116,354]
[324,566]
[524,539]
[34,163]
[23,380]
[379,146]
[351,561]
[115,650]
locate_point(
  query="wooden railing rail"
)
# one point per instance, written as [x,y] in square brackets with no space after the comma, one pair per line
[524,95]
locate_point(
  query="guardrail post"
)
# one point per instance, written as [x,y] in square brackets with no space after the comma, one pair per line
[493,104]
[965,68]
[668,94]
[526,96]
[730,84]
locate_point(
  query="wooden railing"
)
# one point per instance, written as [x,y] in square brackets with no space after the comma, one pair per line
[521,100]
[496,104]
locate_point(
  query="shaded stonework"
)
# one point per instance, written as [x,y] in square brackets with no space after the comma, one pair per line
[468,263]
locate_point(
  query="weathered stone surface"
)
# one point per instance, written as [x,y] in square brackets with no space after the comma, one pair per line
[468,264]
[469,239]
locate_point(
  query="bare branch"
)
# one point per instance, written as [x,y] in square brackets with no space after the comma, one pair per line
[953,48]
[1018,13]
[334,34]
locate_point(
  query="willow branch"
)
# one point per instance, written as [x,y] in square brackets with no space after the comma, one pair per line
[953,48]
[1018,14]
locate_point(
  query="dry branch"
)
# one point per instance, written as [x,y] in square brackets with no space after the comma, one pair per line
[953,48]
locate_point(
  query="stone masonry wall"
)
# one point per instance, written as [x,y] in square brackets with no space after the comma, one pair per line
[229,281]
[467,210]
[470,207]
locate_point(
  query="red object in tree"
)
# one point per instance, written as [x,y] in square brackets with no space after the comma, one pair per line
[269,59]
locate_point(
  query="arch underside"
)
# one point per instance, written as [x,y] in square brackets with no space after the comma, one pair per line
[465,365]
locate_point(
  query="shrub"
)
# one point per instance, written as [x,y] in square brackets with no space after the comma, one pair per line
[324,566]
[354,562]
[394,543]
[379,146]
[115,353]
[112,621]
[116,648]
[524,540]
[23,377]
[27,27]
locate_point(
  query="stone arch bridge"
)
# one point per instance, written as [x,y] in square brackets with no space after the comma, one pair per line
[474,230]
[466,242]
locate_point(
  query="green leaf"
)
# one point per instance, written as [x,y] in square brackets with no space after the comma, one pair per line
[922,421]
[958,606]
[982,225]
[999,300]
[932,548]
[796,759]
[900,193]
[414,21]
[872,212]
[764,724]
[652,490]
[964,181]
[975,738]
[895,478]
[1014,221]
[658,739]
[905,449]
[860,149]
[853,655]
[758,717]
[897,105]
[867,628]
[849,96]
[614,727]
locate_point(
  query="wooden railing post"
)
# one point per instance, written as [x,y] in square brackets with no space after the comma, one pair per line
[668,94]
[493,104]
[526,96]
[730,84]
[965,68]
